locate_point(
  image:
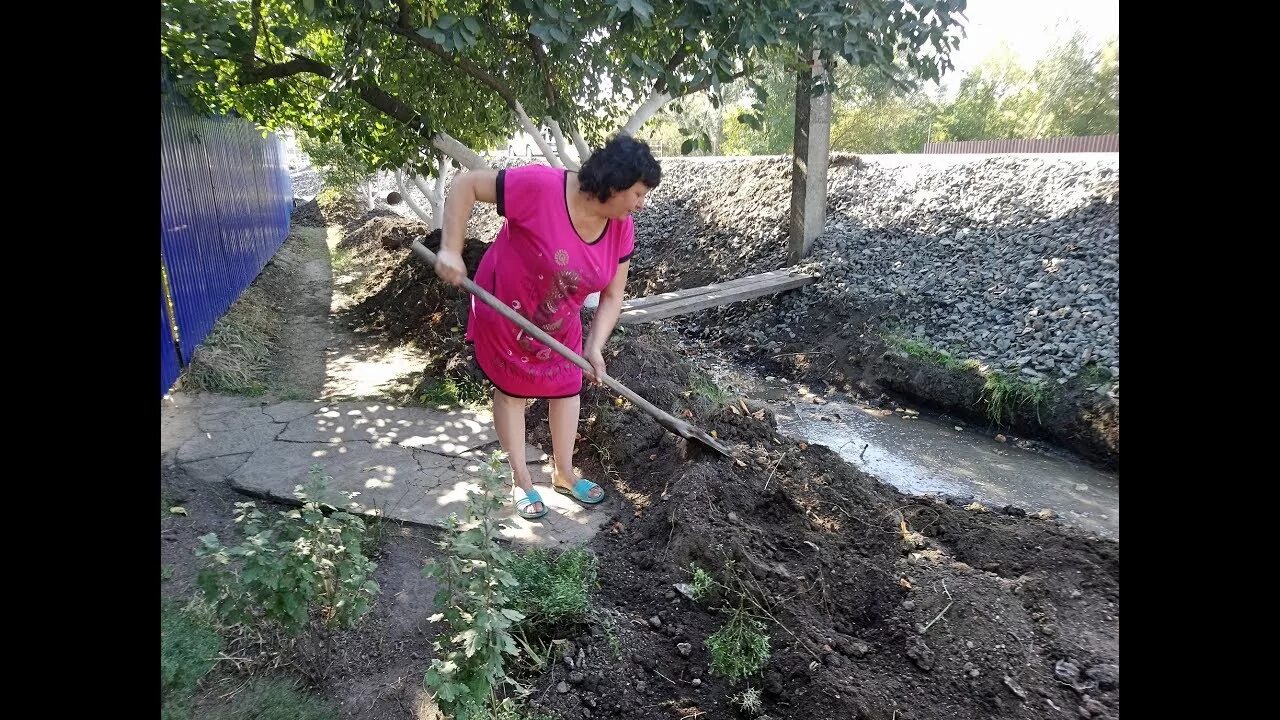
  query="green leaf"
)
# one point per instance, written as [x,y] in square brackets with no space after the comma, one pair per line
[449,691]
[432,34]
[446,21]
[471,24]
[645,15]
[687,146]
[467,638]
[509,645]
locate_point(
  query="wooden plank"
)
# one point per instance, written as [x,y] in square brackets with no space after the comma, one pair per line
[712,299]
[660,298]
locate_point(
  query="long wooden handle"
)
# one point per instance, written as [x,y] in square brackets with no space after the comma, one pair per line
[418,248]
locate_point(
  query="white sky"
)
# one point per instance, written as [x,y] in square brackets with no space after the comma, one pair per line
[1029,27]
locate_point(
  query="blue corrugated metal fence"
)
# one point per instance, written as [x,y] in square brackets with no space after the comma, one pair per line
[169,367]
[225,200]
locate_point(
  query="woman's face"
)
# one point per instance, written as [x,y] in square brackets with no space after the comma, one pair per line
[625,202]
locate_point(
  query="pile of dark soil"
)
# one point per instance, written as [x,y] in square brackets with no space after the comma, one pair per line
[404,301]
[878,605]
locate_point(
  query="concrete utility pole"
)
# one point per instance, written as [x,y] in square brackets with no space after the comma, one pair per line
[811,155]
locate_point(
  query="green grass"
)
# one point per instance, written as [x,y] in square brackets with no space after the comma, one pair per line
[923,352]
[1094,374]
[740,648]
[293,394]
[555,590]
[189,647]
[377,530]
[705,387]
[340,258]
[465,392]
[274,699]
[234,357]
[1004,393]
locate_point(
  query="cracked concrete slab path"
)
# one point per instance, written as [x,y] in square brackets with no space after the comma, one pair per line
[408,464]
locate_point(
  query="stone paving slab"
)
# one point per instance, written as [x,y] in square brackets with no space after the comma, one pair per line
[409,464]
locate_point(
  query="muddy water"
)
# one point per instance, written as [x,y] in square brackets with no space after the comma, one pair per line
[921,454]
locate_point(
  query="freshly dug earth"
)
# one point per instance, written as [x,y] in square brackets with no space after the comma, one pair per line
[879,605]
[406,302]
[1022,614]
[308,214]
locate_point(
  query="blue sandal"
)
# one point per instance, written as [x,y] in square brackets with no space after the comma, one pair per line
[580,491]
[531,497]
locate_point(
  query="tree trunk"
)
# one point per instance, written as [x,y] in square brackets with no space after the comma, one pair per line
[434,198]
[562,147]
[465,156]
[536,134]
[413,204]
[584,152]
[437,197]
[646,111]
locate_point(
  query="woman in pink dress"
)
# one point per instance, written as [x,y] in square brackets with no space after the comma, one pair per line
[567,235]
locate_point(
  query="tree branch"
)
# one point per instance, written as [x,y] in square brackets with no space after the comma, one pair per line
[461,63]
[372,94]
[405,13]
[255,11]
[705,84]
[553,102]
[672,65]
[376,98]
[646,110]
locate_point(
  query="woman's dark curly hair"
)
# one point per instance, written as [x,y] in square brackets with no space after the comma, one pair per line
[621,163]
